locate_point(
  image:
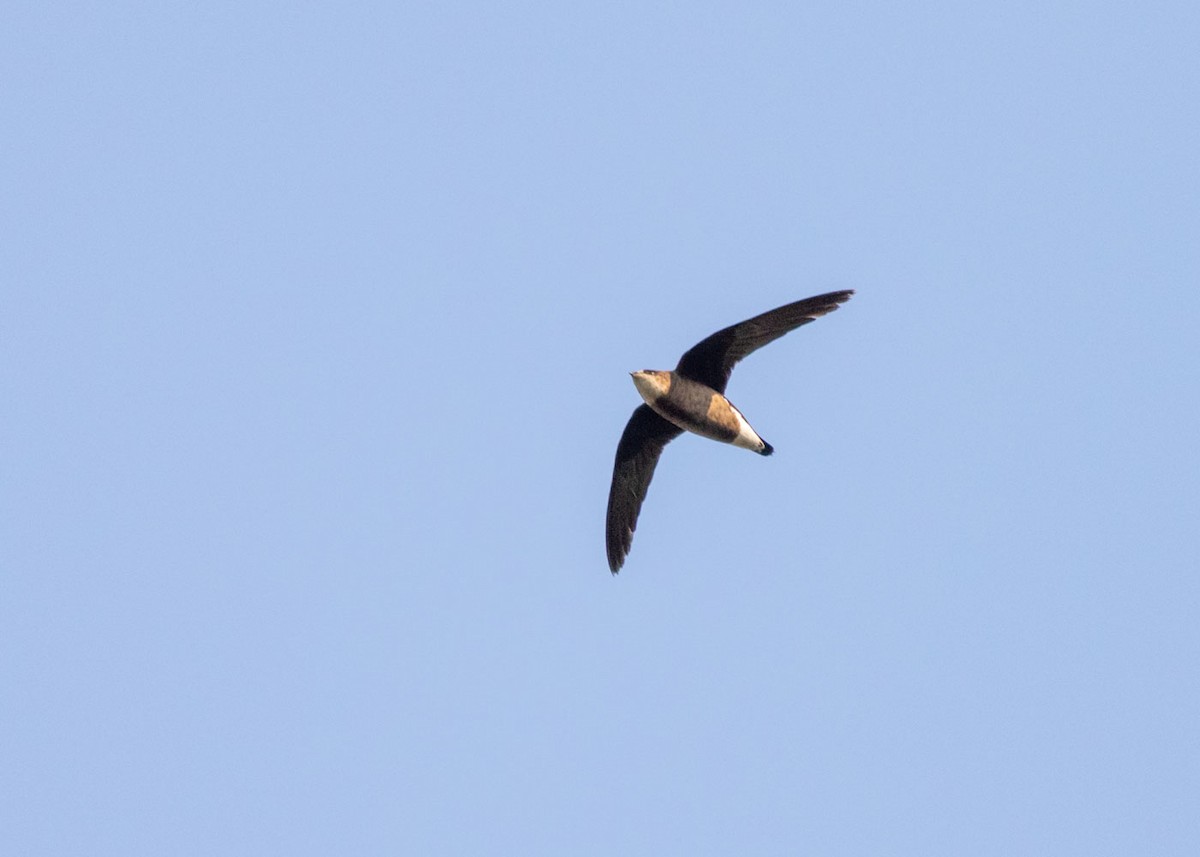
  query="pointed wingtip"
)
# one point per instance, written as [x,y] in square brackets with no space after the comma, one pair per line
[616,556]
[837,298]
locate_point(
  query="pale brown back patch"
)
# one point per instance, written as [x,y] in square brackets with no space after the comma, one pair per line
[720,413]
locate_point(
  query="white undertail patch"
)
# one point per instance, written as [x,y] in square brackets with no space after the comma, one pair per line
[747,437]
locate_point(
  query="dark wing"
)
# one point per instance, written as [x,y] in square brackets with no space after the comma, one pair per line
[642,442]
[711,360]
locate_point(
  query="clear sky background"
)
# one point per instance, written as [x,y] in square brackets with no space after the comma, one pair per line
[315,334]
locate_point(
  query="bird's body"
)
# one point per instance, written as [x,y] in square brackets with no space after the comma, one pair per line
[692,398]
[697,408]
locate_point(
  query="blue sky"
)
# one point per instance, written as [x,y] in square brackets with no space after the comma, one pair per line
[316,331]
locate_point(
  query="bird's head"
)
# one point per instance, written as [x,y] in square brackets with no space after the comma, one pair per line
[651,383]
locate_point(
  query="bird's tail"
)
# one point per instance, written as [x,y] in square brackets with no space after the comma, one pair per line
[767,448]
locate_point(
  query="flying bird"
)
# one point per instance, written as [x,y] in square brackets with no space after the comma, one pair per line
[691,398]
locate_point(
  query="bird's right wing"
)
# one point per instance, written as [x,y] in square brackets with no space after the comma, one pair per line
[641,443]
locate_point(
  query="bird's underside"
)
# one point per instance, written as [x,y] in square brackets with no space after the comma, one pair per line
[692,397]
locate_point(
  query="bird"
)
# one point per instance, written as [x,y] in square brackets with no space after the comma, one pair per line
[692,398]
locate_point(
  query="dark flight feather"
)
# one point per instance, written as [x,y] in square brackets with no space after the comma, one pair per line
[711,360]
[637,455]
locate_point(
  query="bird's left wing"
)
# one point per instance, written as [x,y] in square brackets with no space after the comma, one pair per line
[641,444]
[711,359]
